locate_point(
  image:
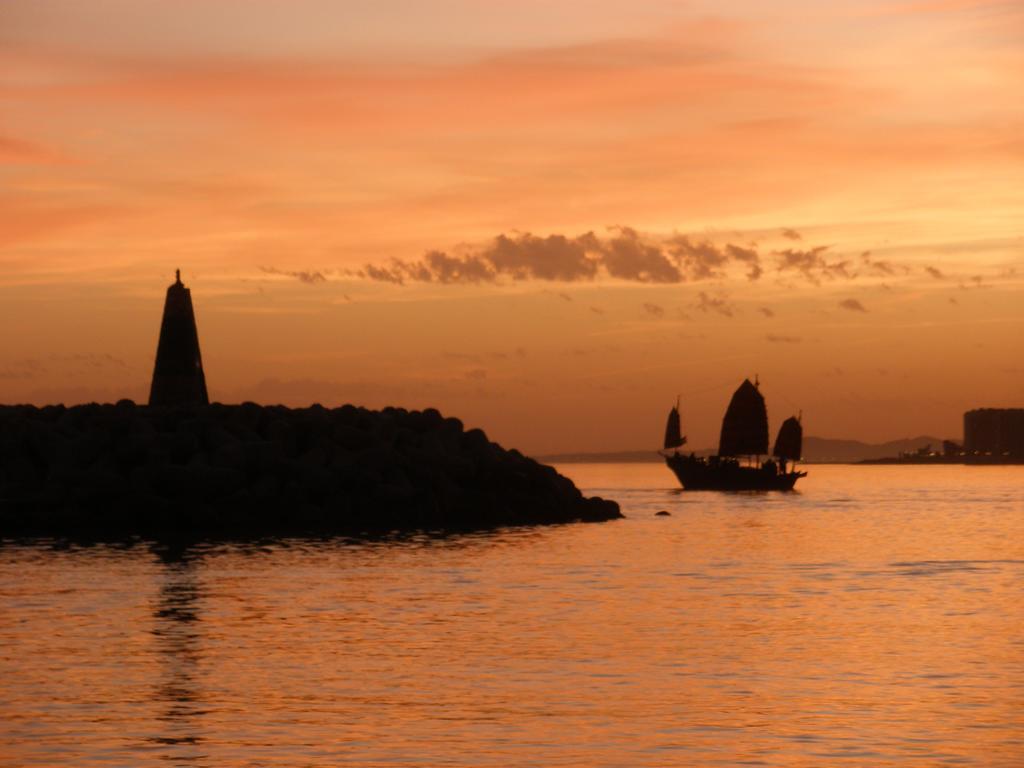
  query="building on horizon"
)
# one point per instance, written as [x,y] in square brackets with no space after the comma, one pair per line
[994,431]
[178,377]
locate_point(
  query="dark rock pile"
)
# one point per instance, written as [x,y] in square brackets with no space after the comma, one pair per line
[250,469]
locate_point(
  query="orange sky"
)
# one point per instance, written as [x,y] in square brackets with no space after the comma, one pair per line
[624,202]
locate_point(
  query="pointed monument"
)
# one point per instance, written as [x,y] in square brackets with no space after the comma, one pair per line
[178,375]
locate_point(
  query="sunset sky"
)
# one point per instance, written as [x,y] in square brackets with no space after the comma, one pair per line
[546,217]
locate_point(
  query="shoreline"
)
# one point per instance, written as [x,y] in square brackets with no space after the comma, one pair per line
[127,470]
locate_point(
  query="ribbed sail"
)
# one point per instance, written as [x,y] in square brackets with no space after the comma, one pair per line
[789,443]
[745,426]
[673,431]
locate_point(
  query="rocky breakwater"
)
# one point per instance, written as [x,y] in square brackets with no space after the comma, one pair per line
[248,469]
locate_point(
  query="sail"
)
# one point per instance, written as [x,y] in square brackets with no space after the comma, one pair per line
[673,432]
[789,443]
[745,426]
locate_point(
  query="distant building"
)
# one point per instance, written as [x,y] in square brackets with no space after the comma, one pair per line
[178,377]
[994,431]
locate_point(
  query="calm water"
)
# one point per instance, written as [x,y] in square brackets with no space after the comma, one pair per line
[874,618]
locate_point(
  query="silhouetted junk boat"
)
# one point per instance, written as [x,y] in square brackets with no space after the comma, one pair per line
[744,435]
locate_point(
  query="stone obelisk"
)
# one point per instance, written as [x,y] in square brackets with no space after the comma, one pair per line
[178,375]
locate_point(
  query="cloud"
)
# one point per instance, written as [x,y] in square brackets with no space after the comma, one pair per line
[477,374]
[383,274]
[517,257]
[597,310]
[555,257]
[812,264]
[559,295]
[749,256]
[853,305]
[935,272]
[451,269]
[654,310]
[877,266]
[309,278]
[702,260]
[627,257]
[766,311]
[780,339]
[714,304]
[624,254]
[977,281]
[791,234]
[29,368]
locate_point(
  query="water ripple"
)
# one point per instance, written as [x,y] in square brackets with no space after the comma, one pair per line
[872,619]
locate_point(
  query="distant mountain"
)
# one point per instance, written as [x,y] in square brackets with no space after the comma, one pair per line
[827,449]
[817,450]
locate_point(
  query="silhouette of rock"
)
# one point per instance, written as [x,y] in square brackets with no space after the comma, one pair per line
[98,470]
[662,513]
[178,377]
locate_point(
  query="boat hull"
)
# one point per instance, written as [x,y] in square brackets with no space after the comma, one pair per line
[698,474]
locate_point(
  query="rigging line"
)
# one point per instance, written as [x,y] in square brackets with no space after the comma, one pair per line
[795,406]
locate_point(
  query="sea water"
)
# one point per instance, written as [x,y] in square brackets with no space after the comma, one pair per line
[873,618]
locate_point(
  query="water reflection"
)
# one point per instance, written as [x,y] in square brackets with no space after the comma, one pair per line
[864,621]
[177,628]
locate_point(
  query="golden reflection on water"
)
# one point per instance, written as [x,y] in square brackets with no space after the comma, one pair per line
[177,644]
[873,618]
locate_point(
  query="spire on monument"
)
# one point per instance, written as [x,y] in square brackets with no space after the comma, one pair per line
[178,377]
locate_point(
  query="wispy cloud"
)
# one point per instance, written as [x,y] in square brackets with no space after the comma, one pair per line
[717,304]
[853,305]
[307,277]
[877,266]
[18,151]
[812,264]
[749,256]
[701,259]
